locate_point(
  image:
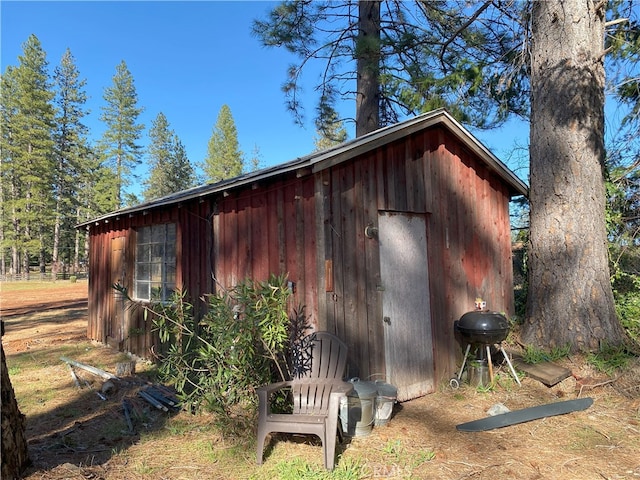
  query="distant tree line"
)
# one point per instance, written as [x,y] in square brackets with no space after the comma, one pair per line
[53,177]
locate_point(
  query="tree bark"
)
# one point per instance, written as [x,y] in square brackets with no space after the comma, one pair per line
[570,300]
[76,245]
[14,445]
[56,242]
[368,68]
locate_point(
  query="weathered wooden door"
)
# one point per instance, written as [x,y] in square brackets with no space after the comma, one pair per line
[405,303]
[117,331]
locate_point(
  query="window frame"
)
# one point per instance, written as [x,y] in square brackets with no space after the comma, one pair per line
[159,269]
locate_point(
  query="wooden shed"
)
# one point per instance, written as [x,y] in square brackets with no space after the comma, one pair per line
[388,239]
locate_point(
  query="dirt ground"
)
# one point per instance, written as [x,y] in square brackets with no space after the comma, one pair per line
[73,433]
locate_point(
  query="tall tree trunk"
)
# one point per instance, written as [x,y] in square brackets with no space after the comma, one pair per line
[368,68]
[14,444]
[3,258]
[26,260]
[15,254]
[15,260]
[76,246]
[3,264]
[119,181]
[570,300]
[86,256]
[42,254]
[56,243]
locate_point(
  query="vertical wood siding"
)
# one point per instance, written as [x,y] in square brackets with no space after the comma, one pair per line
[311,227]
[269,229]
[193,273]
[468,237]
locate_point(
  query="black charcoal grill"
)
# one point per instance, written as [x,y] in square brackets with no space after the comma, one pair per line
[480,330]
[482,327]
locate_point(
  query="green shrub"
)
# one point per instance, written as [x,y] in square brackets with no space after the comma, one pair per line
[628,309]
[610,358]
[243,341]
[533,354]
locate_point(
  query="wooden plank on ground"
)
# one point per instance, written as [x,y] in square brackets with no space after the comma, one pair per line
[89,368]
[546,372]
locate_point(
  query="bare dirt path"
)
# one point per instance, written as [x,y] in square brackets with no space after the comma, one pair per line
[41,312]
[16,299]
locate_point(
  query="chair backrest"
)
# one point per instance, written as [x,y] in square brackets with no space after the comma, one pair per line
[328,361]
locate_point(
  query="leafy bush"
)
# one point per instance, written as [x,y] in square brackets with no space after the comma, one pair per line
[243,341]
[626,292]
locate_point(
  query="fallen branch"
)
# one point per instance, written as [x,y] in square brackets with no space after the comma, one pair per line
[89,368]
[601,384]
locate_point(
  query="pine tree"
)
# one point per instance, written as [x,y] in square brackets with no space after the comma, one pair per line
[170,169]
[485,61]
[406,58]
[368,56]
[159,158]
[71,156]
[118,147]
[27,155]
[8,109]
[224,158]
[570,299]
[255,161]
[330,133]
[183,172]
[100,190]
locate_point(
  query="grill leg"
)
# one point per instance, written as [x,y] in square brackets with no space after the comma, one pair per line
[489,364]
[513,370]
[464,361]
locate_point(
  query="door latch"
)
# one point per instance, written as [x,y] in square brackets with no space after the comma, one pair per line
[386,320]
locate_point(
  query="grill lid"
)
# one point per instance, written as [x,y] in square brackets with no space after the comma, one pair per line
[483,321]
[483,327]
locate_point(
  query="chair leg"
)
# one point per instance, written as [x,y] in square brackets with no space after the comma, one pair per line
[329,441]
[260,446]
[263,429]
[329,450]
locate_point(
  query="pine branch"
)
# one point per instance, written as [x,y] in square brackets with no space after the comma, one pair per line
[461,29]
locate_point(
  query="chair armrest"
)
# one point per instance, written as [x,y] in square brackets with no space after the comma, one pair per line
[264,392]
[342,388]
[273,387]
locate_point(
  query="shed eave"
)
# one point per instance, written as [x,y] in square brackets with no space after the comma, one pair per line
[333,156]
[518,187]
[203,190]
[389,134]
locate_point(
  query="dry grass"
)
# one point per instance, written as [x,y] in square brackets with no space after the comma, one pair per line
[74,434]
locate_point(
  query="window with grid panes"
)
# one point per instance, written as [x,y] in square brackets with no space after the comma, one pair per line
[155,275]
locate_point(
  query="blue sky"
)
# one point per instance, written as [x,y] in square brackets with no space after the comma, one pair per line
[187,60]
